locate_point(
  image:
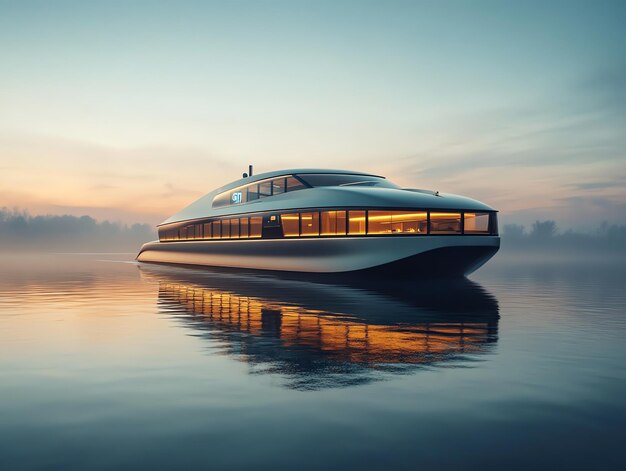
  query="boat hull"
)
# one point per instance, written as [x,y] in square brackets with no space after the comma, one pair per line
[411,256]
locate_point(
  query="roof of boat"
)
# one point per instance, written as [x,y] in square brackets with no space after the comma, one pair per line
[328,196]
[291,171]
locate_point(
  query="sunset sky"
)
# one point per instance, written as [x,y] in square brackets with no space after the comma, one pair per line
[130,110]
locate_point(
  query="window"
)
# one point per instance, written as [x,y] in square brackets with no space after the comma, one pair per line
[397,222]
[265,189]
[207,230]
[225,229]
[243,227]
[278,186]
[256,226]
[310,224]
[476,223]
[291,224]
[294,184]
[252,192]
[356,222]
[409,222]
[379,222]
[217,229]
[335,179]
[445,223]
[333,223]
[234,228]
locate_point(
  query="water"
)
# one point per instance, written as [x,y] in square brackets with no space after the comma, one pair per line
[105,364]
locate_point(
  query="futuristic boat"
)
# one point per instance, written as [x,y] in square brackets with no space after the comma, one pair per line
[329,222]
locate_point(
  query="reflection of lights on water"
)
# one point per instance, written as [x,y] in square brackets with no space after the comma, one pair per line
[347,338]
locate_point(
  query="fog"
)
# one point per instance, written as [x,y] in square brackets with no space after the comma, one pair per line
[544,239]
[19,231]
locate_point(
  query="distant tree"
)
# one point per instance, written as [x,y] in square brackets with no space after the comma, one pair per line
[543,229]
[20,230]
[514,231]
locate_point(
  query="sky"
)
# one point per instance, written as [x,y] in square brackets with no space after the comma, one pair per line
[131,110]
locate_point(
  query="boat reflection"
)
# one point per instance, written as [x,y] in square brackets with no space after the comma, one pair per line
[320,335]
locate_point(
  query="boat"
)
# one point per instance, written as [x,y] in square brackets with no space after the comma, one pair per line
[324,222]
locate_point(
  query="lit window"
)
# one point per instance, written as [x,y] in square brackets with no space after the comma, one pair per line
[225,229]
[256,226]
[476,223]
[333,223]
[207,230]
[356,222]
[310,223]
[291,224]
[379,222]
[265,189]
[252,192]
[234,228]
[217,229]
[445,223]
[243,226]
[409,222]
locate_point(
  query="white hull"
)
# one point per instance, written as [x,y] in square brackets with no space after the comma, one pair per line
[454,254]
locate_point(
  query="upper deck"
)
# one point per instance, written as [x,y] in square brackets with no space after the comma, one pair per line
[316,188]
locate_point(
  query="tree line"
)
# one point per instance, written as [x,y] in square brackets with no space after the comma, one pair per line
[21,231]
[546,235]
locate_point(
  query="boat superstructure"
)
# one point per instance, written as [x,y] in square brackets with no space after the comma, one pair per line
[328,222]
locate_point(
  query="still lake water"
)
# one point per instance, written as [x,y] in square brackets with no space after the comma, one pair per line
[108,364]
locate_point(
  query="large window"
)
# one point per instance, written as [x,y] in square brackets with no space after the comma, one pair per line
[291,224]
[356,222]
[397,222]
[265,189]
[310,223]
[256,227]
[476,223]
[225,229]
[234,228]
[333,223]
[243,224]
[445,223]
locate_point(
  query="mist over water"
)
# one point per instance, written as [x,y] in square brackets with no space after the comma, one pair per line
[107,363]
